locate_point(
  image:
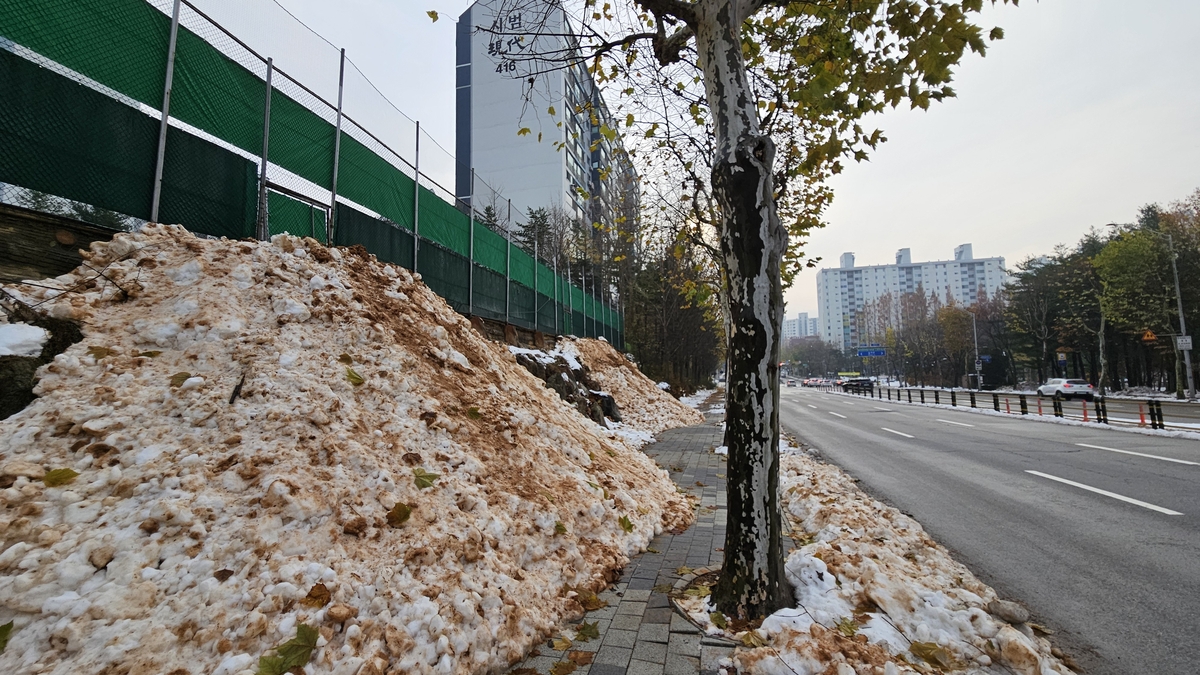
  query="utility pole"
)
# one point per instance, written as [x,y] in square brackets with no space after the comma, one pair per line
[978,363]
[1187,353]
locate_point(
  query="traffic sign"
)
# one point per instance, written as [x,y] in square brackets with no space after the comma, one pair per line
[1183,342]
[1062,357]
[872,352]
[978,366]
[1149,336]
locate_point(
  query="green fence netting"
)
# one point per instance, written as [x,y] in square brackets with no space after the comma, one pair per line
[521,267]
[446,273]
[302,219]
[207,188]
[443,224]
[521,305]
[388,242]
[489,299]
[490,249]
[121,44]
[368,179]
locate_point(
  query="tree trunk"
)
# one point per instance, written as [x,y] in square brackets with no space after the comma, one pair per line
[753,241]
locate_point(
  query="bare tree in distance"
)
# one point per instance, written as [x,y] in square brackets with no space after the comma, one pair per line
[747,106]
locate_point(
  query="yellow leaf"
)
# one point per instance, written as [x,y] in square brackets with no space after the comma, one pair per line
[718,620]
[318,596]
[152,353]
[179,378]
[753,639]
[561,644]
[934,655]
[626,524]
[399,514]
[355,378]
[346,359]
[59,477]
[524,131]
[98,352]
[559,528]
[551,110]
[423,478]
[562,668]
[432,15]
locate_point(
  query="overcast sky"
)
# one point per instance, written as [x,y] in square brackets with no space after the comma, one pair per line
[1086,110]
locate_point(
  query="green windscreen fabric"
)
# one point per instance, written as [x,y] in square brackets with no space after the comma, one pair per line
[444,224]
[64,139]
[489,298]
[576,298]
[489,249]
[366,178]
[522,305]
[386,241]
[545,280]
[294,217]
[301,141]
[214,93]
[446,273]
[521,267]
[121,44]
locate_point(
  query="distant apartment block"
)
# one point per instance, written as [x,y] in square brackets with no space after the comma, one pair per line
[503,84]
[842,292]
[800,327]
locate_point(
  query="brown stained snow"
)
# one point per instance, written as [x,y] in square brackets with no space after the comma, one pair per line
[197,526]
[875,594]
[643,405]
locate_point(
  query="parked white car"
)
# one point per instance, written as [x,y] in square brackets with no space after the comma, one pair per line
[1061,388]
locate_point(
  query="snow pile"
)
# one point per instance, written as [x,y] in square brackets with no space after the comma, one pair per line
[697,399]
[21,339]
[276,434]
[643,405]
[875,595]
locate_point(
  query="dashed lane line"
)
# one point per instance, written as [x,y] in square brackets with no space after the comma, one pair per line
[1106,493]
[883,409]
[812,406]
[837,415]
[961,424]
[1139,454]
[898,433]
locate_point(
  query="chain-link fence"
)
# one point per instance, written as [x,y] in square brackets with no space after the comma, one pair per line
[83,89]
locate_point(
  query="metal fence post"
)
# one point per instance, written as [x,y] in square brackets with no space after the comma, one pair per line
[337,153]
[537,326]
[953,398]
[417,198]
[166,112]
[471,250]
[508,266]
[972,399]
[1024,405]
[263,231]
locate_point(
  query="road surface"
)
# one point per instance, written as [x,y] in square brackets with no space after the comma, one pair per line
[1096,531]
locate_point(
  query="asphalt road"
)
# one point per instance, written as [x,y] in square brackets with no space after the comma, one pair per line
[1115,573]
[1121,411]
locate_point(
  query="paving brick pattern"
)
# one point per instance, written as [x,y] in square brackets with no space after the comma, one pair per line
[640,634]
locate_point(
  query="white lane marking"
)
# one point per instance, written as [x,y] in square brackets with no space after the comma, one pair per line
[883,409]
[837,415]
[812,406]
[1106,493]
[847,402]
[961,424]
[898,433]
[1139,454]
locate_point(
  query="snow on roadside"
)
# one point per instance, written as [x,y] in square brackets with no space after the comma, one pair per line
[21,339]
[697,399]
[644,406]
[875,595]
[274,434]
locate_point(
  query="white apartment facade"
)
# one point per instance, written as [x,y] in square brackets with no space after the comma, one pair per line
[842,292]
[505,84]
[800,327]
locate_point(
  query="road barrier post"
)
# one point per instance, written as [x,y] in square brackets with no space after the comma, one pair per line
[1024,405]
[1141,415]
[996,402]
[922,396]
[1007,406]
[1058,411]
[910,395]
[972,399]
[936,399]
[1039,406]
[1085,413]
[953,399]
[1156,415]
[1101,410]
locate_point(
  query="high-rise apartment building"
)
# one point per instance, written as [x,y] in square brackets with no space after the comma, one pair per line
[800,327]
[842,292]
[519,68]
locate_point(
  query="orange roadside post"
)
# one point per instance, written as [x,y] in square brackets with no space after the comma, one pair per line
[1007,407]
[1141,415]
[1085,416]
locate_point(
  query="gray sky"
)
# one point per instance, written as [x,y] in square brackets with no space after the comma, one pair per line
[1086,110]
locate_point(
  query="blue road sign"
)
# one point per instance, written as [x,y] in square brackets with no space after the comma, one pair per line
[872,352]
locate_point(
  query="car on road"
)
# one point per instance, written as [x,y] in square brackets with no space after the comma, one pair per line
[790,383]
[1061,388]
[859,385]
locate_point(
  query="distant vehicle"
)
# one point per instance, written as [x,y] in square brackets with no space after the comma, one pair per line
[1061,388]
[790,383]
[858,385]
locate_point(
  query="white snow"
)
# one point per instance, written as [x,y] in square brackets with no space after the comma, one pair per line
[697,399]
[197,525]
[21,339]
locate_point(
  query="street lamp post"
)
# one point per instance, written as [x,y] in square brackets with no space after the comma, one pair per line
[1187,353]
[978,363]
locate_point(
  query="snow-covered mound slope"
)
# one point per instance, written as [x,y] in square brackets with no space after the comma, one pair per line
[874,594]
[643,404]
[276,435]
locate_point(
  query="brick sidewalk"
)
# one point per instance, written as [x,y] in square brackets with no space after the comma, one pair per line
[639,632]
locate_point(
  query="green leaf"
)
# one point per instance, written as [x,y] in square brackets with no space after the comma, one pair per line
[629,120]
[474,413]
[179,378]
[424,479]
[5,632]
[292,654]
[588,631]
[934,655]
[432,15]
[847,626]
[626,524]
[551,110]
[996,34]
[400,513]
[718,620]
[152,353]
[699,591]
[59,477]
[355,378]
[559,528]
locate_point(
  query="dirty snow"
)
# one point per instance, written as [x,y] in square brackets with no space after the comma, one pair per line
[643,405]
[697,399]
[21,339]
[875,595]
[259,411]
